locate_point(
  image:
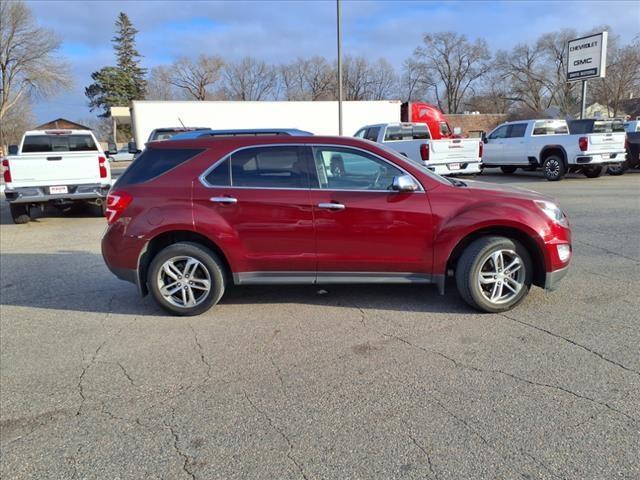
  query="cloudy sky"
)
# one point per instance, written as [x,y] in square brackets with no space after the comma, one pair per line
[281,31]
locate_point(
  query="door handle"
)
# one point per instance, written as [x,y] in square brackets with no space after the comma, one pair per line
[223,200]
[331,206]
[54,158]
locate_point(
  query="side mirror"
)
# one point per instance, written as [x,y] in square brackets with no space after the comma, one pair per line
[13,149]
[404,183]
[112,149]
[483,136]
[133,148]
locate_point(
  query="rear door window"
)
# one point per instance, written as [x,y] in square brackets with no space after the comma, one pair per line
[154,162]
[517,130]
[270,167]
[372,134]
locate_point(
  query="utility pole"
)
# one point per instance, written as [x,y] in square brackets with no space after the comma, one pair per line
[584,99]
[339,70]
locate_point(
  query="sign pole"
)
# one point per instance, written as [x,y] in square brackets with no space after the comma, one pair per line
[339,71]
[584,99]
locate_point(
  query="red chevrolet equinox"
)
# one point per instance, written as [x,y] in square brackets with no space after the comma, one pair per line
[189,218]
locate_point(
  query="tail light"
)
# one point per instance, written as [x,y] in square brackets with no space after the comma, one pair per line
[481,149]
[7,171]
[583,142]
[117,202]
[424,152]
[103,167]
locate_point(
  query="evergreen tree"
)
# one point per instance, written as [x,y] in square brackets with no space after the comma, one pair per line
[118,86]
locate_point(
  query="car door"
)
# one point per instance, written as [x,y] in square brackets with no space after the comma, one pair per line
[255,205]
[364,229]
[494,148]
[513,150]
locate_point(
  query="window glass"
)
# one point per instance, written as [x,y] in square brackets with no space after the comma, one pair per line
[577,127]
[398,132]
[372,134]
[500,132]
[444,129]
[341,168]
[607,126]
[360,133]
[154,162]
[270,167]
[220,176]
[59,143]
[517,130]
[550,127]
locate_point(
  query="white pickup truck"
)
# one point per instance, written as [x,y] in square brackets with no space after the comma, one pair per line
[547,144]
[59,167]
[447,156]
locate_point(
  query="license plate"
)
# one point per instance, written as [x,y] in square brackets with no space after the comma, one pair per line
[606,155]
[62,189]
[454,166]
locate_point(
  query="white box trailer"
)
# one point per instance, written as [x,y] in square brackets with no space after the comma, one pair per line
[320,118]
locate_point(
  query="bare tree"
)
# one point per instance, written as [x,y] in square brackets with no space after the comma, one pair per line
[492,94]
[28,66]
[196,78]
[356,78]
[159,85]
[554,47]
[383,80]
[249,79]
[415,81]
[622,76]
[453,65]
[16,121]
[308,79]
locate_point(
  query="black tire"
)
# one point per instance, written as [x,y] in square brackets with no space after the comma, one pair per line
[618,169]
[472,260]
[98,210]
[593,171]
[508,170]
[554,168]
[19,213]
[209,261]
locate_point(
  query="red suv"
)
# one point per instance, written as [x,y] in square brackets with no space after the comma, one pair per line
[190,217]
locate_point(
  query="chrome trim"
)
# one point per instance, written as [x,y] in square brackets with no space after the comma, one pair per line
[331,206]
[315,278]
[202,177]
[223,200]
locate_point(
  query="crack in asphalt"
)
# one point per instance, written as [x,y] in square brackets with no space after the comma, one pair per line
[572,342]
[280,432]
[85,369]
[201,351]
[176,446]
[426,454]
[513,376]
[126,374]
[278,374]
[611,252]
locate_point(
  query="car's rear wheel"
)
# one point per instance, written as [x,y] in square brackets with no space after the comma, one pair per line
[554,168]
[494,274]
[19,213]
[186,279]
[508,170]
[593,171]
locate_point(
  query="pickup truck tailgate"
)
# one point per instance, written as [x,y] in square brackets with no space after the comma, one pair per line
[54,168]
[454,149]
[606,142]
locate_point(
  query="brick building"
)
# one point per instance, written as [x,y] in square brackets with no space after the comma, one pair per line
[469,122]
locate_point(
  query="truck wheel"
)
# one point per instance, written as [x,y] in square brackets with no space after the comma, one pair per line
[186,279]
[494,274]
[618,169]
[593,171]
[554,168]
[19,213]
[508,170]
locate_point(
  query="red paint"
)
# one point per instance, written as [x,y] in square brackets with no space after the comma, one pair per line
[421,112]
[284,230]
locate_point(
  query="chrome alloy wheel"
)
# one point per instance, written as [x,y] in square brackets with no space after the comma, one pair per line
[501,276]
[184,281]
[552,167]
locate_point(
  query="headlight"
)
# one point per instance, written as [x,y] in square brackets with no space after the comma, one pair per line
[552,211]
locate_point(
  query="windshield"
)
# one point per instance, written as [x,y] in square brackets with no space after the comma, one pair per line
[422,168]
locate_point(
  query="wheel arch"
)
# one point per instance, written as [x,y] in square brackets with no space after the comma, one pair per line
[535,252]
[166,238]
[549,150]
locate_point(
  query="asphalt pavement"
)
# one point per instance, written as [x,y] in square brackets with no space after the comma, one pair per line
[335,382]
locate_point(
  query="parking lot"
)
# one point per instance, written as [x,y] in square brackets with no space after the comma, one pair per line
[334,382]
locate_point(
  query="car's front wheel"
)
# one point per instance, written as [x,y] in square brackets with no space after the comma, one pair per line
[508,169]
[593,171]
[186,278]
[494,274]
[618,169]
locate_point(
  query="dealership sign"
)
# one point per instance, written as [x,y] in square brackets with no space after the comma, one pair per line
[587,57]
